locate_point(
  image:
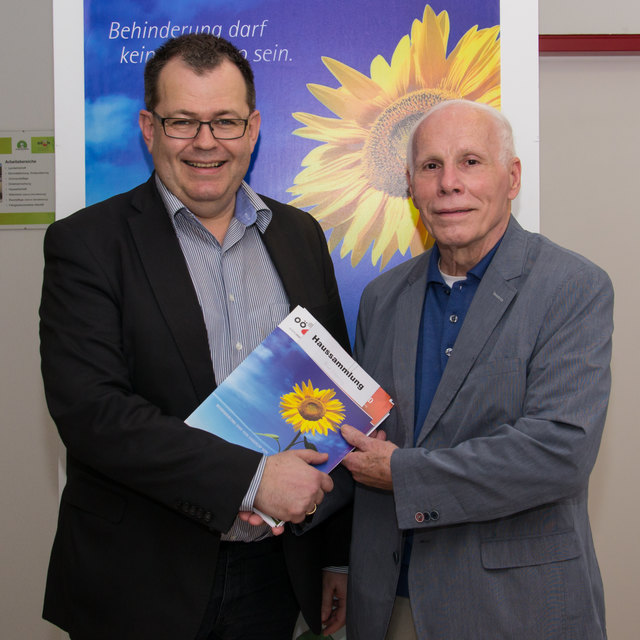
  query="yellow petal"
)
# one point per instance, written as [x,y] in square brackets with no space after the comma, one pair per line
[429,49]
[345,105]
[329,129]
[382,74]
[359,235]
[401,66]
[360,86]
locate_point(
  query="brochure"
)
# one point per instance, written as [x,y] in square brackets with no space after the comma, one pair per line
[294,390]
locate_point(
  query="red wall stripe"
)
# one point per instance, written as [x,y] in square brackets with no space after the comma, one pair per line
[589,44]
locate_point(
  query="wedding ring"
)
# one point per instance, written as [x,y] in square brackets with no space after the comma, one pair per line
[310,513]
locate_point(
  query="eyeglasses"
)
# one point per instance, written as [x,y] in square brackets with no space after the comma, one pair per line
[187,128]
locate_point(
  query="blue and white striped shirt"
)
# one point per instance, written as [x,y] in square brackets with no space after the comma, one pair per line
[240,293]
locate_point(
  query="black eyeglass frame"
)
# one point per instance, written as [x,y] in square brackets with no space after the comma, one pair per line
[245,122]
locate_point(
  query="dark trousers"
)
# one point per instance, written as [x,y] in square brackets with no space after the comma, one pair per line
[252,598]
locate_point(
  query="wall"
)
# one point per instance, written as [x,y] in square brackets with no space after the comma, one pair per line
[588,130]
[28,442]
[589,138]
[589,16]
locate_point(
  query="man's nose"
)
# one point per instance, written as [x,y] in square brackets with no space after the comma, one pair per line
[205,138]
[450,179]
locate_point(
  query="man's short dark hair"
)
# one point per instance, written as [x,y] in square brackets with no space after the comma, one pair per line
[202,52]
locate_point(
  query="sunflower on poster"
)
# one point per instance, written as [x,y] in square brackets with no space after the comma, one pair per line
[354,183]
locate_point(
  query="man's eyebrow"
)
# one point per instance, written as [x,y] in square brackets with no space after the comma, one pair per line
[478,154]
[223,113]
[429,157]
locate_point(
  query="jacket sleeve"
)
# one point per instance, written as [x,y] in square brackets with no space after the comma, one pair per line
[528,420]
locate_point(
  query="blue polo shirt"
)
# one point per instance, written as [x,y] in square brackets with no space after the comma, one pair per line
[443,313]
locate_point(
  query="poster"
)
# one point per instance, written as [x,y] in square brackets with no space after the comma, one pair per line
[338,86]
[26,178]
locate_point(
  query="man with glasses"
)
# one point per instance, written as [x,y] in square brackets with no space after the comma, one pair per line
[150,299]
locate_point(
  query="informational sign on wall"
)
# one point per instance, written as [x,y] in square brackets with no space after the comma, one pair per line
[26,177]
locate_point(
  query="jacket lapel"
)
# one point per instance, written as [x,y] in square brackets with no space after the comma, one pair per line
[278,239]
[169,278]
[407,328]
[493,297]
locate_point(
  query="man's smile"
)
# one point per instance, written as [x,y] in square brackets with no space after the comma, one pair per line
[451,211]
[205,165]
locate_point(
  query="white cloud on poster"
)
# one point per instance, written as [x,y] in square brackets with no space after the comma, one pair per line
[111,120]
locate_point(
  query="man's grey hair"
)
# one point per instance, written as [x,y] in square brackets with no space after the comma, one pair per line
[503,126]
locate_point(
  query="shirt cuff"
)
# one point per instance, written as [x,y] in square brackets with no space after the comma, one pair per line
[336,569]
[250,496]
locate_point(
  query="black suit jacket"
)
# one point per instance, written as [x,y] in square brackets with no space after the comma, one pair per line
[125,359]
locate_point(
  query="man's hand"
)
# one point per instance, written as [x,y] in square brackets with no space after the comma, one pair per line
[334,601]
[370,464]
[290,487]
[255,520]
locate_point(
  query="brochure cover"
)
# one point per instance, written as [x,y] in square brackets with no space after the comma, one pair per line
[294,390]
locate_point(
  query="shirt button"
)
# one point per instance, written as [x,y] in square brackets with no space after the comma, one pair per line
[453,318]
[232,298]
[238,346]
[448,351]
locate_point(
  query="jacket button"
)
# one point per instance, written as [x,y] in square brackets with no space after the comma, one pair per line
[434,515]
[396,557]
[419,516]
[207,516]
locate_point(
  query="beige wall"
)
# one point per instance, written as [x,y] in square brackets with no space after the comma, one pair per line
[589,16]
[28,442]
[589,136]
[589,174]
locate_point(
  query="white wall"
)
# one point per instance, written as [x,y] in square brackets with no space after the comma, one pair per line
[589,141]
[28,442]
[589,16]
[589,136]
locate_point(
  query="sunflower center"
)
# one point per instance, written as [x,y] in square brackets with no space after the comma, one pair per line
[311,409]
[385,152]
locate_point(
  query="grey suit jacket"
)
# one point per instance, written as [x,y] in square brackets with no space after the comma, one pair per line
[496,490]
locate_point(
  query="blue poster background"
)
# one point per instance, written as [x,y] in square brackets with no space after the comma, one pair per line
[285,41]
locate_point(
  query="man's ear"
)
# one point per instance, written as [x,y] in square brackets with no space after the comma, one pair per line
[409,190]
[145,120]
[515,174]
[253,128]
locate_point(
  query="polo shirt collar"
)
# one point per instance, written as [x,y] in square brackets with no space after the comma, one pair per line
[433,272]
